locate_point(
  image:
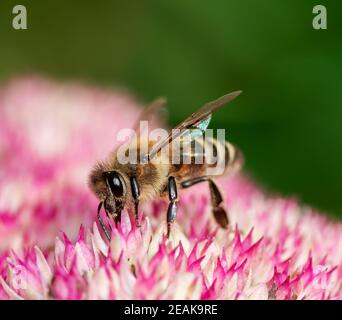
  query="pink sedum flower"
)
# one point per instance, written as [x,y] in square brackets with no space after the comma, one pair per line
[51,247]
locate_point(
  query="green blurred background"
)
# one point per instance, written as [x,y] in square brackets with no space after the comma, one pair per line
[288,120]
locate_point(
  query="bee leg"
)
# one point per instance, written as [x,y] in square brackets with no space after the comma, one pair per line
[219,213]
[172,209]
[108,215]
[135,193]
[191,182]
[101,221]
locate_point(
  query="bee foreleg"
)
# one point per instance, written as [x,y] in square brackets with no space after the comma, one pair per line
[135,193]
[219,213]
[101,221]
[172,209]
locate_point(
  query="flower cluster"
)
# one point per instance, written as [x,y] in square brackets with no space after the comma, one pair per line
[51,246]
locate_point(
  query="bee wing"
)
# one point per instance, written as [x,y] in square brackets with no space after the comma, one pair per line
[198,120]
[154,111]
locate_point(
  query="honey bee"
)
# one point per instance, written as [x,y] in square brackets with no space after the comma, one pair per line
[121,186]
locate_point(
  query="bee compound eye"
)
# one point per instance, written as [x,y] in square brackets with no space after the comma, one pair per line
[115,183]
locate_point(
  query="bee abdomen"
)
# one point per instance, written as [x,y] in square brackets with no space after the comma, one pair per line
[234,157]
[209,154]
[222,154]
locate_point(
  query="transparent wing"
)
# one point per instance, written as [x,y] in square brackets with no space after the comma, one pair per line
[155,111]
[195,124]
[154,114]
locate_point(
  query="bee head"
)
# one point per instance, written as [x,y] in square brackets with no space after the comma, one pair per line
[116,190]
[109,187]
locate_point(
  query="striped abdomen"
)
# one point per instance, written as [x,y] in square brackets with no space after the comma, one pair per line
[206,158]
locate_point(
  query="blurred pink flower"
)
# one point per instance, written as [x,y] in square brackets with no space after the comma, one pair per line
[50,246]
